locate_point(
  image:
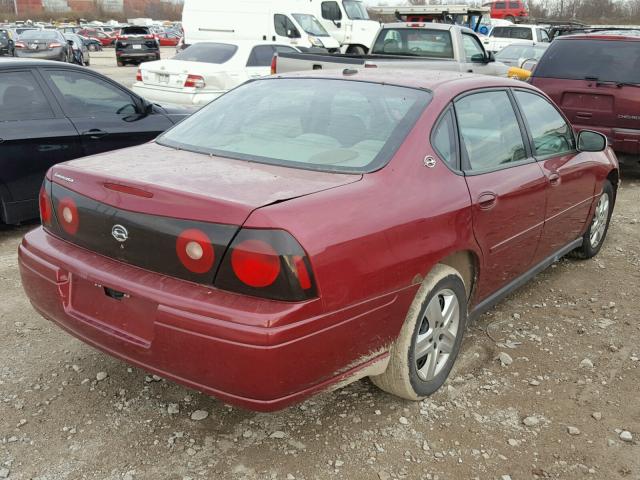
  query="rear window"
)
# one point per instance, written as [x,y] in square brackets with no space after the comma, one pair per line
[39,35]
[605,60]
[512,32]
[136,31]
[415,42]
[208,53]
[318,124]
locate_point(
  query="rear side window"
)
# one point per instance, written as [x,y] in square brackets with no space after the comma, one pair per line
[21,98]
[415,42]
[443,139]
[207,52]
[514,5]
[513,32]
[489,130]
[551,134]
[261,56]
[605,60]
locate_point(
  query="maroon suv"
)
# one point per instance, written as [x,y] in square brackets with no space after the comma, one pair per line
[595,80]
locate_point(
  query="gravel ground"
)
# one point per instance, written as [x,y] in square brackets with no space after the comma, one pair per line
[546,387]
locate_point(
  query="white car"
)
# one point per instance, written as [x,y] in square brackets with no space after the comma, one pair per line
[204,71]
[500,37]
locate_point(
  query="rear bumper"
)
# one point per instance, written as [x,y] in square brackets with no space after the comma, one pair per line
[216,342]
[44,55]
[137,55]
[175,97]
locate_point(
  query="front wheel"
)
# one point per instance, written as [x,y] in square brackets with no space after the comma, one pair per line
[510,18]
[593,239]
[426,348]
[356,50]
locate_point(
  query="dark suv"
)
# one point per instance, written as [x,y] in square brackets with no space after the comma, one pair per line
[136,45]
[594,79]
[6,43]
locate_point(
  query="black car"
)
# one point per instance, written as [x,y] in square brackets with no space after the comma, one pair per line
[136,45]
[6,43]
[52,112]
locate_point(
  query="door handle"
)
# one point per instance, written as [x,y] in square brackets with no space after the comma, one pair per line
[584,115]
[95,134]
[487,200]
[554,179]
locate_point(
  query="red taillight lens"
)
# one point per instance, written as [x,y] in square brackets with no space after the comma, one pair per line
[45,206]
[269,264]
[274,64]
[194,81]
[68,215]
[195,251]
[20,45]
[55,45]
[139,76]
[255,263]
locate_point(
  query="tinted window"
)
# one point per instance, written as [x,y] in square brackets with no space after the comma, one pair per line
[421,42]
[499,5]
[135,31]
[489,130]
[331,11]
[471,46]
[323,124]
[261,56]
[514,4]
[21,98]
[551,134]
[208,53]
[86,95]
[608,61]
[512,32]
[444,139]
[285,27]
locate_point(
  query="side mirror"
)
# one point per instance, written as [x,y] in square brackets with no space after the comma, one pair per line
[483,58]
[590,141]
[337,24]
[491,57]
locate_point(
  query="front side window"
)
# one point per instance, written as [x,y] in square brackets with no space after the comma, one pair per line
[319,124]
[552,136]
[355,10]
[85,95]
[472,46]
[443,139]
[422,42]
[285,27]
[489,130]
[310,24]
[331,11]
[21,98]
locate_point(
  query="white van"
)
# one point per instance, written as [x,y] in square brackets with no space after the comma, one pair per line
[288,22]
[348,22]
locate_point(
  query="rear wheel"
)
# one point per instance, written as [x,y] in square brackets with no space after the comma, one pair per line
[426,348]
[356,50]
[593,239]
[510,18]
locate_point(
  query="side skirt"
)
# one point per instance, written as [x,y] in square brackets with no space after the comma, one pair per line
[489,302]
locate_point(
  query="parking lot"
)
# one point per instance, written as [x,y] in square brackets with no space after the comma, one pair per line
[546,386]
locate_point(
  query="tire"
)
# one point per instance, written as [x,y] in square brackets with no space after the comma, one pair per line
[357,50]
[87,62]
[407,376]
[596,234]
[510,18]
[121,64]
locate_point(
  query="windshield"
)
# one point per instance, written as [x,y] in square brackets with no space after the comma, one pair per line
[39,34]
[207,52]
[135,31]
[604,60]
[310,24]
[421,42]
[517,52]
[319,124]
[355,10]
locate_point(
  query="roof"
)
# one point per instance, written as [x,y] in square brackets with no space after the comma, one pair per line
[618,35]
[12,62]
[423,79]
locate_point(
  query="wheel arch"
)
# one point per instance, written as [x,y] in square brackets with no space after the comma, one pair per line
[466,263]
[352,47]
[614,179]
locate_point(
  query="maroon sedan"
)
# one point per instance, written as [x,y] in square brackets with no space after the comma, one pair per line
[302,232]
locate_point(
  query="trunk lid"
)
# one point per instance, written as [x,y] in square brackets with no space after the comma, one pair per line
[173,74]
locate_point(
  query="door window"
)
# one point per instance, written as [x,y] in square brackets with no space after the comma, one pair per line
[21,98]
[285,27]
[472,46]
[261,56]
[500,5]
[443,140]
[489,130]
[552,136]
[331,11]
[85,95]
[544,37]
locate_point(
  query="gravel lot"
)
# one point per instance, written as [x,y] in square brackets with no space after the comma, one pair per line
[547,386]
[105,63]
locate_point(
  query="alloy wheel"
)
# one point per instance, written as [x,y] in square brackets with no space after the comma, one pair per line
[600,219]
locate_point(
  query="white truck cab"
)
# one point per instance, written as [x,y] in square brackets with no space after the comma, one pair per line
[288,22]
[348,22]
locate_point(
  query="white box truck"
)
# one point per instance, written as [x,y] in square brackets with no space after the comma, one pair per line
[288,22]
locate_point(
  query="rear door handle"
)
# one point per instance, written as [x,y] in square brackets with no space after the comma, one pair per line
[487,200]
[554,179]
[95,134]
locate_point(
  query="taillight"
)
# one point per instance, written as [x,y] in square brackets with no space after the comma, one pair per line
[55,45]
[139,76]
[45,205]
[274,64]
[267,263]
[20,45]
[194,81]
[195,251]
[67,213]
[122,37]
